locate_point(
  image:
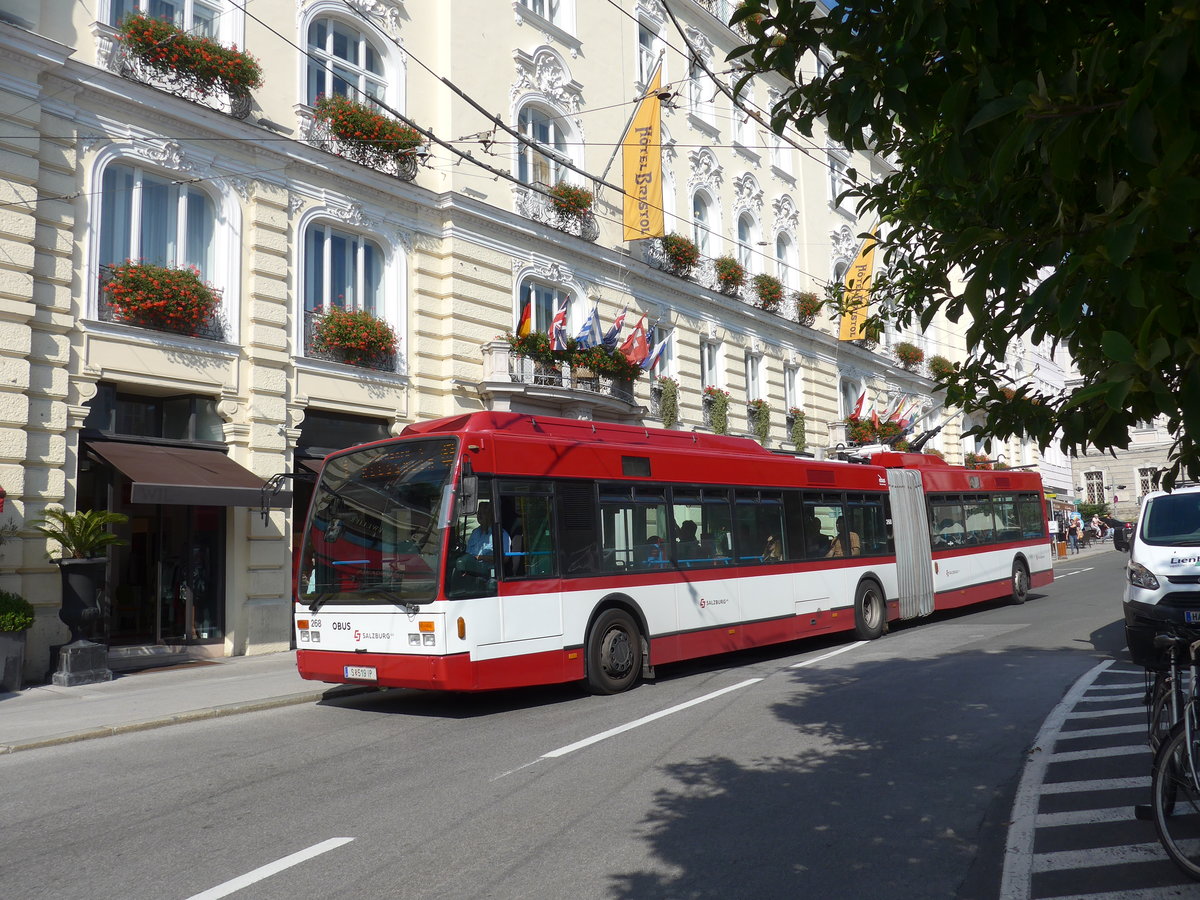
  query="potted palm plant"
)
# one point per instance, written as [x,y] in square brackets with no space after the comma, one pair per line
[16,617]
[83,538]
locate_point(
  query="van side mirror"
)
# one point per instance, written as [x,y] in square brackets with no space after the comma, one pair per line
[468,495]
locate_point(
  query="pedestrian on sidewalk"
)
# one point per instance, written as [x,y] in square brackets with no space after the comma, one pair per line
[1073,536]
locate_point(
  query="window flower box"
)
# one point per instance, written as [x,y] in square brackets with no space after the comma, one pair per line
[808,305]
[362,134]
[356,337]
[796,428]
[162,298]
[768,290]
[758,414]
[716,409]
[570,199]
[731,275]
[682,254]
[194,66]
[910,355]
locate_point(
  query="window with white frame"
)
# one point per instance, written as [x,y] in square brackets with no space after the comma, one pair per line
[781,153]
[785,260]
[665,363]
[1093,486]
[342,269]
[710,364]
[342,60]
[849,390]
[647,52]
[533,165]
[1146,480]
[747,237]
[701,222]
[839,177]
[754,375]
[550,10]
[544,300]
[793,387]
[699,90]
[200,17]
[148,218]
[747,131]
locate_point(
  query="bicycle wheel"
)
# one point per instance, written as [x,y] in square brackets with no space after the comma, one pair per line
[1175,797]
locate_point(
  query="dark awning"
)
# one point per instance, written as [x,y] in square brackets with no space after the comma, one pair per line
[183,476]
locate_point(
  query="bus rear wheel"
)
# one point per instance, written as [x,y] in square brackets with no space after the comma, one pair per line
[614,653]
[870,611]
[1020,583]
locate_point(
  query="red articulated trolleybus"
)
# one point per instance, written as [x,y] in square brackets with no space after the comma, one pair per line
[493,550]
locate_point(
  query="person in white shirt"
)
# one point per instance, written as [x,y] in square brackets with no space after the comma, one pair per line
[479,541]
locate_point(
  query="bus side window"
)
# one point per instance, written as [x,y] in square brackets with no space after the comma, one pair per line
[526,515]
[579,542]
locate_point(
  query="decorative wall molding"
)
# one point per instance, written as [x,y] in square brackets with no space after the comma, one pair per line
[747,195]
[545,72]
[706,171]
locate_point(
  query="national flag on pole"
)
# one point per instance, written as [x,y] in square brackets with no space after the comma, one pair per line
[641,156]
[857,291]
[589,334]
[874,417]
[558,329]
[526,323]
[634,346]
[652,360]
[858,406]
[611,336]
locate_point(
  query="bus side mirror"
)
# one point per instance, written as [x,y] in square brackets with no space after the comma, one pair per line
[468,495]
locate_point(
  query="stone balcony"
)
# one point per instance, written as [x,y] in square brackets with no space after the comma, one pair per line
[515,383]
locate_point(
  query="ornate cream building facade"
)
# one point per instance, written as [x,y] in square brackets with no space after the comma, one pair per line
[102,161]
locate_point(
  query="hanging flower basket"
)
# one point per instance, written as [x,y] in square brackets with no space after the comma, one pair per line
[354,336]
[731,275]
[808,305]
[668,400]
[190,61]
[909,355]
[940,367]
[716,409]
[367,136]
[682,254]
[759,414]
[768,290]
[161,297]
[570,199]
[796,426]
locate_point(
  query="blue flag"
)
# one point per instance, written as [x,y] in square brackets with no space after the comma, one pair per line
[589,334]
[613,334]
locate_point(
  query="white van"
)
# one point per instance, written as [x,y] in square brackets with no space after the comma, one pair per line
[1163,575]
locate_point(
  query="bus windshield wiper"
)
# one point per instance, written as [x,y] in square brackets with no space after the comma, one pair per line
[321,600]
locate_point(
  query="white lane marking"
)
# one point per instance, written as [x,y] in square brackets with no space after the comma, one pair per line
[1057,576]
[1119,686]
[1086,817]
[817,659]
[1101,732]
[1100,856]
[1100,753]
[604,735]
[1018,857]
[1096,784]
[1140,695]
[236,884]
[1105,713]
[1155,893]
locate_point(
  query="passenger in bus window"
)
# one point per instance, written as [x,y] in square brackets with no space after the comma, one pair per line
[817,541]
[689,547]
[839,543]
[772,552]
[654,551]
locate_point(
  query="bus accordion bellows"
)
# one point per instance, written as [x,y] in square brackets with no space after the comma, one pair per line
[496,550]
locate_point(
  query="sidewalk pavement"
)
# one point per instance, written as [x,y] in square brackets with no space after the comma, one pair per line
[46,715]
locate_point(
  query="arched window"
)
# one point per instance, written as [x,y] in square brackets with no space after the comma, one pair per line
[701,222]
[152,219]
[343,61]
[785,261]
[544,299]
[746,237]
[534,166]
[342,269]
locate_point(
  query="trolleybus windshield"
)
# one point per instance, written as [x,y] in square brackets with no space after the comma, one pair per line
[376,523]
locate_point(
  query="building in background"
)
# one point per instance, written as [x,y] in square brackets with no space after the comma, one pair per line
[109,157]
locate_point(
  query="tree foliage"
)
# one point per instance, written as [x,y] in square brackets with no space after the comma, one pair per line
[1044,153]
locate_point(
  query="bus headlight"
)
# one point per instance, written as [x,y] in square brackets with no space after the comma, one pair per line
[1140,576]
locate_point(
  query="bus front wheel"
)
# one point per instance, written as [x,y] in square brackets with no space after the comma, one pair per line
[614,653]
[870,611]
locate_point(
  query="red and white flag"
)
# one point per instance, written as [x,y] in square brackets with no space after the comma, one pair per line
[558,329]
[635,347]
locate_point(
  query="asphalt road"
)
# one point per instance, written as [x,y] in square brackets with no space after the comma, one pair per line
[822,768]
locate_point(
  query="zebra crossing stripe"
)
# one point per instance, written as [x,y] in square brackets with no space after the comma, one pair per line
[1101,732]
[1096,784]
[1094,858]
[1086,817]
[1140,709]
[1099,753]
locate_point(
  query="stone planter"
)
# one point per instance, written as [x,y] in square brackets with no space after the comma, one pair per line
[82,580]
[12,660]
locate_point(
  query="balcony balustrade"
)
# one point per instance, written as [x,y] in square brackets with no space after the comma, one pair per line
[535,205]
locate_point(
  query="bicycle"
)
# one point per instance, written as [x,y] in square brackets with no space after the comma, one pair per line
[1175,781]
[1164,687]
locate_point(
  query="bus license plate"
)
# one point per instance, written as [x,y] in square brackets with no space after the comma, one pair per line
[362,673]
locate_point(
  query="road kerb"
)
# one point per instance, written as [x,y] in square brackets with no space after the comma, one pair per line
[192,715]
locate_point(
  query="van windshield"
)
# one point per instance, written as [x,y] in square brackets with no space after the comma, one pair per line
[376,523]
[1172,520]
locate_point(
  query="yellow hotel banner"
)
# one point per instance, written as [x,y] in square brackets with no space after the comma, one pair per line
[641,156]
[857,295]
